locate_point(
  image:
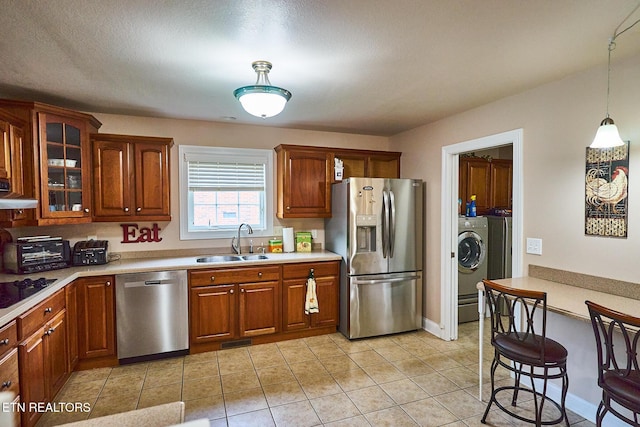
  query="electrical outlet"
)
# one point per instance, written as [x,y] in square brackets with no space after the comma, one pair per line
[534,246]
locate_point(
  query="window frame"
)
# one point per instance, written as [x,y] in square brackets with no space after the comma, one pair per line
[207,152]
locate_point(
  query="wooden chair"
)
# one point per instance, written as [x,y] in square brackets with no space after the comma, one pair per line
[617,335]
[525,351]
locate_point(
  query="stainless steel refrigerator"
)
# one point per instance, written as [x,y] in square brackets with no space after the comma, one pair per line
[377,228]
[499,247]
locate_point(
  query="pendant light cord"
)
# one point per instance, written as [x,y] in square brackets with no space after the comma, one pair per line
[616,33]
[612,46]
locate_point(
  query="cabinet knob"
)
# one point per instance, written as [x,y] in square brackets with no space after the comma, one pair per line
[4,341]
[231,291]
[51,330]
[86,210]
[6,384]
[19,211]
[48,310]
[213,278]
[288,207]
[242,290]
[126,209]
[108,283]
[138,209]
[260,274]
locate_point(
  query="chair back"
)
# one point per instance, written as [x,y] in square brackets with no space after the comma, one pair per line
[607,324]
[504,302]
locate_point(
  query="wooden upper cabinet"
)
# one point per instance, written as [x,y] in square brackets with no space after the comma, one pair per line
[5,151]
[64,167]
[11,167]
[304,182]
[131,177]
[490,181]
[305,175]
[370,164]
[475,178]
[55,162]
[501,184]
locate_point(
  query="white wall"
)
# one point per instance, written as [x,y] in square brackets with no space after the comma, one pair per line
[559,120]
[191,132]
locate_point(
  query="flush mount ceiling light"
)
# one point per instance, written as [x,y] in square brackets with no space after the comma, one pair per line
[262,99]
[607,135]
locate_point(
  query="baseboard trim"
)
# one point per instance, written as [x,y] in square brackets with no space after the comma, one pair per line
[578,405]
[433,328]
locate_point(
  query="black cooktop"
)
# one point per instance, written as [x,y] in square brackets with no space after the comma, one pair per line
[13,292]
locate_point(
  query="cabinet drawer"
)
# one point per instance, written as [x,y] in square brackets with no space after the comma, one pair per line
[223,276]
[33,319]
[320,269]
[9,380]
[8,337]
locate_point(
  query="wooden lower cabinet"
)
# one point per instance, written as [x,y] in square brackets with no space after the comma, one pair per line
[33,376]
[228,304]
[9,372]
[259,308]
[294,285]
[96,320]
[260,303]
[43,365]
[71,299]
[213,313]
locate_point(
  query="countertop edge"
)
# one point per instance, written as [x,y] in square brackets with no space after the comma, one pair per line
[570,300]
[139,265]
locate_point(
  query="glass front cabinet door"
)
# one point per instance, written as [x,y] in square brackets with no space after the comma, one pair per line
[64,167]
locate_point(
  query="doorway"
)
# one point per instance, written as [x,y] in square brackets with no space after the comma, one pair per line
[449,220]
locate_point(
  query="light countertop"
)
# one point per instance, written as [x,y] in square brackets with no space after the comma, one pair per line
[67,275]
[569,300]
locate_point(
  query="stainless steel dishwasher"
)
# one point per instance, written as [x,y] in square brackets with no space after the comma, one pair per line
[152,315]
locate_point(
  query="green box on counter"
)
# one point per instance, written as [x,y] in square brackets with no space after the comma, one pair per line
[275,245]
[303,241]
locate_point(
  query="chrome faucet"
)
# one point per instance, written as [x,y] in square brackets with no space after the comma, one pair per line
[235,245]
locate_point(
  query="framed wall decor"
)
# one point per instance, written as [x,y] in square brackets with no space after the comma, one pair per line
[606,191]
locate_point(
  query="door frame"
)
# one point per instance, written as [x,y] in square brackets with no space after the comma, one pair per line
[449,220]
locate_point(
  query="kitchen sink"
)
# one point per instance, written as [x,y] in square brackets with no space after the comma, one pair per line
[254,257]
[220,258]
[231,258]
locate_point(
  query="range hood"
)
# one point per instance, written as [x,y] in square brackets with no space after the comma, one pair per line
[16,203]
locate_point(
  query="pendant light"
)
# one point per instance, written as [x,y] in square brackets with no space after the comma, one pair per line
[262,99]
[607,135]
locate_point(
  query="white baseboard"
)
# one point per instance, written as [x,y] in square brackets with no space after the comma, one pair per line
[578,405]
[433,328]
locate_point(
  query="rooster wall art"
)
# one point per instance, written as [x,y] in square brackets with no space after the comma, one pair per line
[606,191]
[606,195]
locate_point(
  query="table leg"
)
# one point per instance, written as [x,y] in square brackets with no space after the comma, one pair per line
[481,307]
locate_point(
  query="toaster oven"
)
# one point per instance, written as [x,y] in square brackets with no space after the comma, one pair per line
[34,254]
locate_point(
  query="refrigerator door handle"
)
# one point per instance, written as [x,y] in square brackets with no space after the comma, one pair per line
[390,280]
[385,223]
[392,221]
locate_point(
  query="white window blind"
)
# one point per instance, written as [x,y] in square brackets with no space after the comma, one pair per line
[207,176]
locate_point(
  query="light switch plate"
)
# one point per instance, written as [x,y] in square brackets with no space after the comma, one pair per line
[534,246]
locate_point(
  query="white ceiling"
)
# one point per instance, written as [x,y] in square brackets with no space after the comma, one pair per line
[364,66]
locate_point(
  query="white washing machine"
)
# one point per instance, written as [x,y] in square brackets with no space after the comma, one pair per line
[473,234]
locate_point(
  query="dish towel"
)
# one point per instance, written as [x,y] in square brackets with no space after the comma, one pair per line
[311,302]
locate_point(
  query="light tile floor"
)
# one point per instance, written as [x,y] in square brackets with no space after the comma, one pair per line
[401,380]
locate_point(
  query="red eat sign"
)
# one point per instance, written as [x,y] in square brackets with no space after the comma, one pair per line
[131,233]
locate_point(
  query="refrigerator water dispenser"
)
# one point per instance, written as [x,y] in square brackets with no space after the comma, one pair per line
[366,233]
